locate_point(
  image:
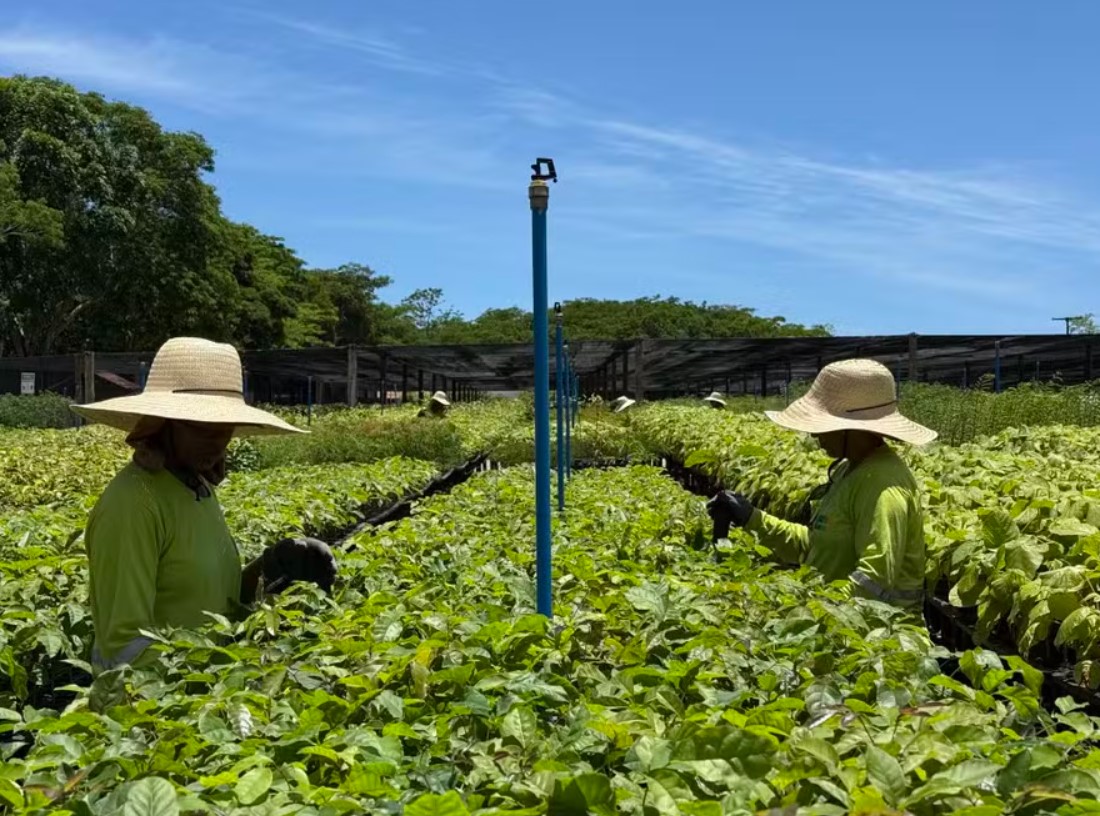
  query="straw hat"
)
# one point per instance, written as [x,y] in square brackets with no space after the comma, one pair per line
[193,380]
[715,398]
[440,397]
[620,404]
[852,395]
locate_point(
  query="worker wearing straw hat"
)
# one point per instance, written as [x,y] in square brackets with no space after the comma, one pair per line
[620,404]
[437,406]
[868,525]
[715,400]
[159,550]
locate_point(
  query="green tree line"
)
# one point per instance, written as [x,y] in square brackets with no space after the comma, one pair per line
[113,238]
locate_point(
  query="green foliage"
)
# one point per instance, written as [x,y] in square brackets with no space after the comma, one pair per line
[668,683]
[39,411]
[1012,521]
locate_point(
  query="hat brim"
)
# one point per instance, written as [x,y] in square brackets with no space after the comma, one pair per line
[441,400]
[715,401]
[803,415]
[124,413]
[618,409]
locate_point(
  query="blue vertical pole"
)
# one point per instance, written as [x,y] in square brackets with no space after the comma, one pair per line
[997,366]
[559,382]
[143,375]
[539,195]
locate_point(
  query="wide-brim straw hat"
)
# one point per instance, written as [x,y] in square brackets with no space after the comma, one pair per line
[441,398]
[852,395]
[191,380]
[621,404]
[715,398]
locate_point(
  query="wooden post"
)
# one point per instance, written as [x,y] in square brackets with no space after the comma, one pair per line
[764,380]
[914,372]
[78,378]
[420,385]
[639,370]
[353,376]
[404,383]
[382,391]
[435,382]
[1088,361]
[89,377]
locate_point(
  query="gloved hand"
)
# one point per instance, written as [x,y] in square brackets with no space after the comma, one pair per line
[298,559]
[732,508]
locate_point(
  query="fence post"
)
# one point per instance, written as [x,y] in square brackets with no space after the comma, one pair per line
[997,366]
[78,378]
[353,376]
[89,377]
[404,383]
[382,376]
[639,370]
[1088,360]
[914,371]
[420,385]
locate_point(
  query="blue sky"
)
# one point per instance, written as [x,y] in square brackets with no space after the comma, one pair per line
[883,167]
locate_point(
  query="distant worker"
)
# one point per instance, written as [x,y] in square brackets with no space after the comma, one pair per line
[159,550]
[620,404]
[868,526]
[437,406]
[715,400]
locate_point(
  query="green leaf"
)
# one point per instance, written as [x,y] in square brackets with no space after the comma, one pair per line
[581,794]
[1025,555]
[521,725]
[886,774]
[253,785]
[649,598]
[240,718]
[108,690]
[954,780]
[1070,528]
[392,704]
[649,754]
[151,796]
[998,529]
[434,804]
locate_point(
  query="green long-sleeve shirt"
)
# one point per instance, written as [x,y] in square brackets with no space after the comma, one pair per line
[868,528]
[158,557]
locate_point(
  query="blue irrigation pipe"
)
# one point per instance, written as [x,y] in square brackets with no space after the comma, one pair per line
[997,366]
[559,383]
[539,195]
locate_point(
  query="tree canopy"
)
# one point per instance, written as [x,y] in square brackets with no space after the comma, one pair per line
[112,238]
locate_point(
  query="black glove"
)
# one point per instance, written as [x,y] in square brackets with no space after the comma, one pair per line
[298,559]
[732,508]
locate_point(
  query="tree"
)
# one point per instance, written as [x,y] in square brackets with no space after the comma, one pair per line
[1083,324]
[350,293]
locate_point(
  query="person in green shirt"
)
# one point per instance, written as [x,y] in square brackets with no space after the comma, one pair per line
[159,551]
[868,525]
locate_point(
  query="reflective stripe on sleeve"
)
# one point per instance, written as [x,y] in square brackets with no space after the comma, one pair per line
[875,590]
[127,654]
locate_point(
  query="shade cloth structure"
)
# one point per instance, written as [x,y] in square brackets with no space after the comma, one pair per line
[610,367]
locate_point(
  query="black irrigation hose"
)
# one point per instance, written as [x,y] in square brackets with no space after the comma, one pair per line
[402,508]
[947,625]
